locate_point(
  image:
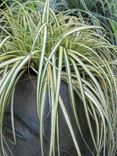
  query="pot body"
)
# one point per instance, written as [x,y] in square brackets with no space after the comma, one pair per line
[27,123]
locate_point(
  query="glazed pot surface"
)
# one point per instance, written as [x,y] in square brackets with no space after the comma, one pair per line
[27,123]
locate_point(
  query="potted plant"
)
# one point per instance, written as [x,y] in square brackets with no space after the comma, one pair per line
[74,68]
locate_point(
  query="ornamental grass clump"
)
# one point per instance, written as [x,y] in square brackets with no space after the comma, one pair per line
[60,48]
